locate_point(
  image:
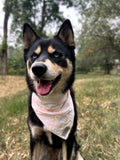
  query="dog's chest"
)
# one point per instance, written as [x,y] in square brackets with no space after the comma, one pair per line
[58,120]
[37,132]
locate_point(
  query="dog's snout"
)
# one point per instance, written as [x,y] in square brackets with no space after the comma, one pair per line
[39,69]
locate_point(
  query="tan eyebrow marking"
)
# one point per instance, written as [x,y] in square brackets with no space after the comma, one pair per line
[38,50]
[51,50]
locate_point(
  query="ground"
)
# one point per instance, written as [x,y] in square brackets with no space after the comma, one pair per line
[98,105]
[11,85]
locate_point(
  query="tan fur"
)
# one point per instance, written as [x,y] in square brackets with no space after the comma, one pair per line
[51,50]
[35,130]
[28,69]
[53,71]
[44,152]
[38,50]
[28,38]
[78,156]
[68,40]
[30,73]
[36,152]
[66,72]
[49,136]
[64,151]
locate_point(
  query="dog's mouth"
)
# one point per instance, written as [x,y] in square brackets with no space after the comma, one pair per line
[44,87]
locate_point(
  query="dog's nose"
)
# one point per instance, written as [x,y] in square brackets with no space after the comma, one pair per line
[39,69]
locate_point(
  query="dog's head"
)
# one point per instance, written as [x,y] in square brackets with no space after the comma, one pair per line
[50,63]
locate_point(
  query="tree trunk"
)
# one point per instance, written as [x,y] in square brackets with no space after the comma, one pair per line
[4,62]
[7,7]
[4,49]
[108,66]
[43,16]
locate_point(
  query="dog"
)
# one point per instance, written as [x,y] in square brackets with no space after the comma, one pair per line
[52,115]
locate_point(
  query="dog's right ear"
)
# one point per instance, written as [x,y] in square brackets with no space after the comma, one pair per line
[29,36]
[66,33]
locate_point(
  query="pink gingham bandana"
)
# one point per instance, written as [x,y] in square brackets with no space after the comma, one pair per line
[59,121]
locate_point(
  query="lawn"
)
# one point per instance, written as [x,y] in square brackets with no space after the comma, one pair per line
[98,101]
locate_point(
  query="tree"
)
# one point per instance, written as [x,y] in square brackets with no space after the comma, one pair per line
[15,63]
[7,9]
[100,31]
[37,13]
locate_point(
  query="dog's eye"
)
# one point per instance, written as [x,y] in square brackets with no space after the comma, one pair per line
[34,56]
[56,55]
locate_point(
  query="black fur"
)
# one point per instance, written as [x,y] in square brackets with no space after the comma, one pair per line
[64,48]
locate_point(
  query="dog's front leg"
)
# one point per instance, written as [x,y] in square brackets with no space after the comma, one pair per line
[35,140]
[36,151]
[64,150]
[69,153]
[42,151]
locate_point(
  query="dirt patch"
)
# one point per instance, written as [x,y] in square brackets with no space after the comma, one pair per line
[83,80]
[10,85]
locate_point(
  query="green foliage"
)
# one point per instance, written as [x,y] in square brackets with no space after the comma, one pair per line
[39,14]
[16,64]
[4,44]
[100,32]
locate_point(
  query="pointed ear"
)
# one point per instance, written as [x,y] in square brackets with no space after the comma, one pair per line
[66,33]
[29,36]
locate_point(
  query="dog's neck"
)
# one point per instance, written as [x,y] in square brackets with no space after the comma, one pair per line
[53,101]
[51,111]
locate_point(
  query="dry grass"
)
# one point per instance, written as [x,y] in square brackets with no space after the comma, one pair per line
[14,135]
[10,85]
[98,100]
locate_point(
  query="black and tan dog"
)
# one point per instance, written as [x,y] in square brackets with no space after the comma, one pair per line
[52,118]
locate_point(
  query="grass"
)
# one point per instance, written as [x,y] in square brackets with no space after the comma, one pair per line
[98,101]
[14,135]
[12,107]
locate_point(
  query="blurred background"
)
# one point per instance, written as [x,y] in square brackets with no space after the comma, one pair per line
[96,25]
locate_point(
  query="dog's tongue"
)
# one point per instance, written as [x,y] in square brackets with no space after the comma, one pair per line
[43,87]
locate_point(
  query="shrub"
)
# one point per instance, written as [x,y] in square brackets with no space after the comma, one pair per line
[16,65]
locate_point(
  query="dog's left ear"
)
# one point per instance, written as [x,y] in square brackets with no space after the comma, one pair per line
[66,33]
[29,36]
